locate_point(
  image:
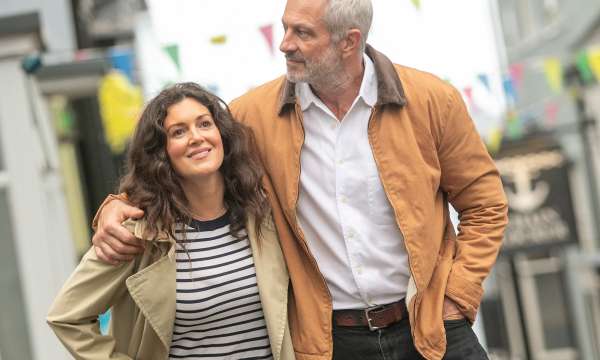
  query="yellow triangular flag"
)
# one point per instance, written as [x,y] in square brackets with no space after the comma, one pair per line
[416,3]
[594,61]
[495,140]
[218,40]
[554,74]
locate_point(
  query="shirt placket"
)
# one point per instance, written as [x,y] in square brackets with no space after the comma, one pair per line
[352,237]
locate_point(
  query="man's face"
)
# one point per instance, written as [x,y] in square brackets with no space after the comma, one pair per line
[310,54]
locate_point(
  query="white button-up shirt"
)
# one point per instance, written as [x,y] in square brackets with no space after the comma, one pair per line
[343,211]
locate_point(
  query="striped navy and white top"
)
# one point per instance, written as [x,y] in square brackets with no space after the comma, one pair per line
[218,312]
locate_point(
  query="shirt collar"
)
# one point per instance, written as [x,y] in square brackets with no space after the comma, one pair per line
[367,92]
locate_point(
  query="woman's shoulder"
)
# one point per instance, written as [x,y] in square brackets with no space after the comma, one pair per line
[139,228]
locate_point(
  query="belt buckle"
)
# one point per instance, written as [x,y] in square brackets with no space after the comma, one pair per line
[367,312]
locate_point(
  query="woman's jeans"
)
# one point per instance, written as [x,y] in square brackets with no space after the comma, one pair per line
[395,342]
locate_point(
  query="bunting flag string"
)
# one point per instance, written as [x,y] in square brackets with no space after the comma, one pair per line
[583,66]
[485,80]
[594,61]
[509,90]
[554,74]
[173,52]
[514,128]
[218,39]
[550,113]
[516,71]
[469,94]
[267,32]
[495,140]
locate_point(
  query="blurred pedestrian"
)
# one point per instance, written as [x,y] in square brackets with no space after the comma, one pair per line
[211,280]
[363,158]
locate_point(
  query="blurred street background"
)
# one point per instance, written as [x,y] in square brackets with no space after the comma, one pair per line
[74,75]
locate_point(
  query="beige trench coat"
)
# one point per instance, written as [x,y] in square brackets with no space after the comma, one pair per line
[142,296]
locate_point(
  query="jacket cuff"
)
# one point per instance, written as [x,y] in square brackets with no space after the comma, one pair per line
[122,196]
[466,294]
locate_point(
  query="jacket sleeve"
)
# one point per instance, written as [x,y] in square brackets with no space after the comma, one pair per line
[472,183]
[91,290]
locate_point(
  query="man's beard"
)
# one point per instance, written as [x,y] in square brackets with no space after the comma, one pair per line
[328,69]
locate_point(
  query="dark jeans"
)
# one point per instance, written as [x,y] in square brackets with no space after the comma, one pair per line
[395,343]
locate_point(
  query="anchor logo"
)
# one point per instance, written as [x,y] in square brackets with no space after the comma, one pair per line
[522,171]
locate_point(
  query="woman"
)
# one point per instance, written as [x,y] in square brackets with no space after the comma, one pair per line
[211,281]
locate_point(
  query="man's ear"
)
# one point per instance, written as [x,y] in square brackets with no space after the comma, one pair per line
[351,42]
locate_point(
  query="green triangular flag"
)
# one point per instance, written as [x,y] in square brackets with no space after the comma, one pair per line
[416,3]
[173,52]
[583,65]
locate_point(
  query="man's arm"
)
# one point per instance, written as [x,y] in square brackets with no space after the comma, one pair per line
[113,243]
[474,188]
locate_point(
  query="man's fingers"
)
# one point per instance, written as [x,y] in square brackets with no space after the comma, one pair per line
[122,235]
[132,212]
[100,254]
[122,248]
[113,256]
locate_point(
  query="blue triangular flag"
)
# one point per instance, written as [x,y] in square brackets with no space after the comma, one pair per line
[485,80]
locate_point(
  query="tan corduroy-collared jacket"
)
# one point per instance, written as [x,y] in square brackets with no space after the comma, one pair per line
[428,154]
[142,295]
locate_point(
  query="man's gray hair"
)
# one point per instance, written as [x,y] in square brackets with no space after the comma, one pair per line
[343,15]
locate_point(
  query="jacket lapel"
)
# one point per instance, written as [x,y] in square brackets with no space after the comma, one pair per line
[272,279]
[154,289]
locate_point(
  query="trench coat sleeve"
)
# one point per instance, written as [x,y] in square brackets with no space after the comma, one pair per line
[91,290]
[473,186]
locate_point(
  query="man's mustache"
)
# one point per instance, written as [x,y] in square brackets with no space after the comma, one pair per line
[294,57]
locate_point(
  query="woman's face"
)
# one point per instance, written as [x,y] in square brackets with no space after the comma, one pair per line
[194,144]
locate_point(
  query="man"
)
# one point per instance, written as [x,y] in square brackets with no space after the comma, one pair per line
[362,158]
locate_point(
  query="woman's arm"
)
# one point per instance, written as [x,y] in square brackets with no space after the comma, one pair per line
[90,291]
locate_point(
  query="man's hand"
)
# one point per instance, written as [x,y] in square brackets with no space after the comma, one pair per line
[113,242]
[450,311]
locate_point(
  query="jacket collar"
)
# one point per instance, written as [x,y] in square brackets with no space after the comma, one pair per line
[389,86]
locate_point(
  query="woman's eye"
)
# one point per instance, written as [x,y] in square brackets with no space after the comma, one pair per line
[205,123]
[177,132]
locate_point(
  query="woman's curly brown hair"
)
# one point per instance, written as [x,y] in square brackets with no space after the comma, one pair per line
[152,184]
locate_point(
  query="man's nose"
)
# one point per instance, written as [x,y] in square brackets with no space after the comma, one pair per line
[287,44]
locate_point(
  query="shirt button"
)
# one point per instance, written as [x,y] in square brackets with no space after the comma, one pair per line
[343,199]
[340,162]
